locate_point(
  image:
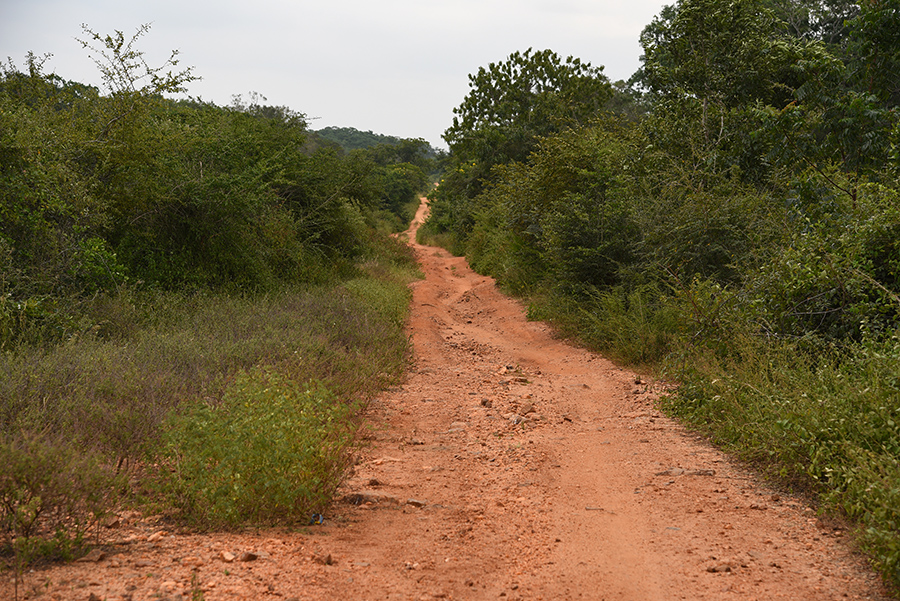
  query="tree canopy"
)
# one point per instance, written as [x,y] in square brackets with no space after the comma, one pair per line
[511,104]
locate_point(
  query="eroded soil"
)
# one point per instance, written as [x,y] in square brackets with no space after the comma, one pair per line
[510,465]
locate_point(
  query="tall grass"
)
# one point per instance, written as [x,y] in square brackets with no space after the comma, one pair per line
[637,326]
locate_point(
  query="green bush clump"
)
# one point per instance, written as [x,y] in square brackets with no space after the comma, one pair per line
[271,451]
[51,495]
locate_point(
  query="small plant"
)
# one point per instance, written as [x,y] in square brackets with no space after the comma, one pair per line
[196,591]
[51,494]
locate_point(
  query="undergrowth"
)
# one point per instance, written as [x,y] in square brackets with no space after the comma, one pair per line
[271,451]
[827,422]
[248,404]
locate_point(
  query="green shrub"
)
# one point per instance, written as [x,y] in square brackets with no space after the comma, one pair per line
[51,494]
[271,451]
[638,326]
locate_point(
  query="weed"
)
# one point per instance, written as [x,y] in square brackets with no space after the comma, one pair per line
[78,417]
[196,590]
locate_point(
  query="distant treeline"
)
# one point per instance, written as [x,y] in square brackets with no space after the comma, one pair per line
[412,150]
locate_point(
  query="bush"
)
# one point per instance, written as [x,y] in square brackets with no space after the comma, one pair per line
[271,451]
[51,494]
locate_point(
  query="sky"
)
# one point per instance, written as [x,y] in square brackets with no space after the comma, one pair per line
[395,67]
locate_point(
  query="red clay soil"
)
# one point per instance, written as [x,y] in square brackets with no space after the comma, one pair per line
[510,465]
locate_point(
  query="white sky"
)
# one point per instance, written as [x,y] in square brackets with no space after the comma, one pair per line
[396,67]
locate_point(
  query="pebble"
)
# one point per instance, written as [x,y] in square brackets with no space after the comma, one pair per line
[156,536]
[94,556]
[416,502]
[112,521]
[226,556]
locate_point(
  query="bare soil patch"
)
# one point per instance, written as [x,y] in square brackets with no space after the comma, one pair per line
[510,465]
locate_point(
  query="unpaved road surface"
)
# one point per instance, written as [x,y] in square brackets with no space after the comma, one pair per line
[510,465]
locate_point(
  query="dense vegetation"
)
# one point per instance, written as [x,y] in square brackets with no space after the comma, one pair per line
[184,285]
[731,218]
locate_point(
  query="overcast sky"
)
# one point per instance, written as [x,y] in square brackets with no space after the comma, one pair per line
[396,67]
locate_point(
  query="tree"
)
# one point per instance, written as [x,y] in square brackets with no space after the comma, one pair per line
[709,65]
[820,20]
[511,104]
[724,53]
[875,49]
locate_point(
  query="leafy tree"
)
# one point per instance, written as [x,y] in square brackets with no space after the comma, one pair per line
[721,53]
[511,104]
[818,20]
[875,49]
[710,65]
[510,107]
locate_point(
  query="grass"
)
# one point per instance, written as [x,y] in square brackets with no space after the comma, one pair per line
[82,422]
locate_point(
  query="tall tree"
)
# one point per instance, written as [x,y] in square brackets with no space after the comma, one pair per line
[724,53]
[512,103]
[820,20]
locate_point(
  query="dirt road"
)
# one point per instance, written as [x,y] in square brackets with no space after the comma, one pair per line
[509,466]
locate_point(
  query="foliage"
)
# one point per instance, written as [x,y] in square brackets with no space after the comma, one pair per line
[272,451]
[822,20]
[350,138]
[510,106]
[567,207]
[512,103]
[719,53]
[51,496]
[875,49]
[152,250]
[50,487]
[98,192]
[828,421]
